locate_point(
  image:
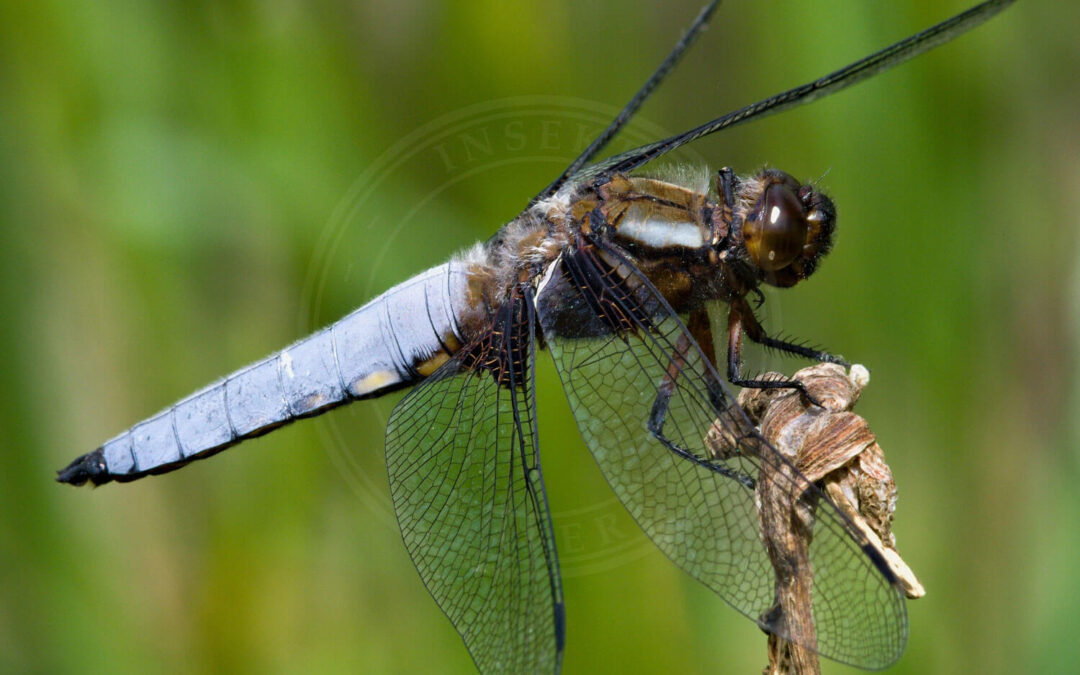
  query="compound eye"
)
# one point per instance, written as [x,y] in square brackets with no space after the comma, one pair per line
[776,236]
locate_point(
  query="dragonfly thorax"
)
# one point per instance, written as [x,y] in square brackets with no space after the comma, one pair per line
[695,244]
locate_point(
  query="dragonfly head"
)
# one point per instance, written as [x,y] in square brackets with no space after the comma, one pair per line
[787,227]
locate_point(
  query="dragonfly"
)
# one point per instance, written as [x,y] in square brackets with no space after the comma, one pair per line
[613,271]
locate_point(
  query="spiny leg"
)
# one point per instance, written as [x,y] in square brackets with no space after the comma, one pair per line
[741,319]
[799,350]
[725,183]
[756,333]
[702,334]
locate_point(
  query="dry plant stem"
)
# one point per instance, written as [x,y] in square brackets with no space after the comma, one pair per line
[835,449]
[786,529]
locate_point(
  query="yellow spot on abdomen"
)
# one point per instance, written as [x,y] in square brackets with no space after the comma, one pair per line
[376,380]
[432,364]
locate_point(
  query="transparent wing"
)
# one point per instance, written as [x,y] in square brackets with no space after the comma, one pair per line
[631,107]
[850,74]
[465,479]
[645,397]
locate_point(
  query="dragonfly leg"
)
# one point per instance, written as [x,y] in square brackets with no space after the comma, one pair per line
[755,332]
[699,327]
[725,182]
[798,350]
[701,330]
[741,319]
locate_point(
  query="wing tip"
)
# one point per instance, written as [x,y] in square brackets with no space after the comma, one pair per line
[560,627]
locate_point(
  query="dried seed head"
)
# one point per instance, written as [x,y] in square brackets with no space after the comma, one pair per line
[832,448]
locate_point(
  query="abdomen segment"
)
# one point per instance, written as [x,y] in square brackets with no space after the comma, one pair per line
[392,342]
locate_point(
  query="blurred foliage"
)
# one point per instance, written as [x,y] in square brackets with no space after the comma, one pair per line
[174,179]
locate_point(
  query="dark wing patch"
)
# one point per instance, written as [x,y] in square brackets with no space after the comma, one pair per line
[465,479]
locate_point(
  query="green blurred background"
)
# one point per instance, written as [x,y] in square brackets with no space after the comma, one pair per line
[182,190]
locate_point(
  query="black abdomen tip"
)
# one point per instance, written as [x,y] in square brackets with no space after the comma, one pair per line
[90,467]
